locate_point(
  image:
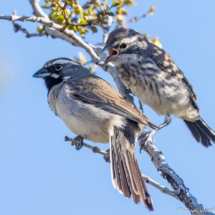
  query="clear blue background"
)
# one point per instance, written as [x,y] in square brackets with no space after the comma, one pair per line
[42,174]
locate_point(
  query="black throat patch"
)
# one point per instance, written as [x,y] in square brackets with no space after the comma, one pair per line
[50,82]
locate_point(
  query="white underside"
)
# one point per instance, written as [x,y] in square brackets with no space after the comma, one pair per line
[83,119]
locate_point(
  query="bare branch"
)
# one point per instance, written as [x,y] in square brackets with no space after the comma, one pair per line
[160,187]
[106,155]
[93,148]
[28,34]
[169,174]
[135,19]
[31,19]
[38,11]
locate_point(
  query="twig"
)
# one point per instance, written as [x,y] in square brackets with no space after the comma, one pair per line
[20,28]
[160,187]
[93,148]
[28,34]
[147,179]
[135,19]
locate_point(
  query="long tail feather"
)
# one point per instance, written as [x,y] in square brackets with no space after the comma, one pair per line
[201,132]
[206,129]
[126,174]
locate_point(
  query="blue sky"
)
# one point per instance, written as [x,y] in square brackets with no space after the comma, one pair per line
[42,174]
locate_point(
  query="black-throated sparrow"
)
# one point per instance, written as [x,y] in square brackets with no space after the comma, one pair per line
[93,109]
[151,74]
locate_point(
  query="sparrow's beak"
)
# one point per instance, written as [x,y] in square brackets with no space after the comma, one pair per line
[112,54]
[106,48]
[42,73]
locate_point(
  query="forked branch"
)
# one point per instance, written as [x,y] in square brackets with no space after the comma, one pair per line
[106,155]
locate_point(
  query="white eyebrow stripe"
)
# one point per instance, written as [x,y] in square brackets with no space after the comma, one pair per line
[126,40]
[129,40]
[63,61]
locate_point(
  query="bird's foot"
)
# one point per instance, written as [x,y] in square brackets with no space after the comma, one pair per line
[107,158]
[77,141]
[166,122]
[144,138]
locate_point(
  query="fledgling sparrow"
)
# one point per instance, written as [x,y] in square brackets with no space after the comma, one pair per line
[151,74]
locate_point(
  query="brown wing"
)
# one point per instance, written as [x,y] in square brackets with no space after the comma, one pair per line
[166,63]
[96,91]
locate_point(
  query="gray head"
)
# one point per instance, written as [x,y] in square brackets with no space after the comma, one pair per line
[122,41]
[60,69]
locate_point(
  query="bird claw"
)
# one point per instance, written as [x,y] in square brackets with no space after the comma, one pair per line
[78,145]
[107,159]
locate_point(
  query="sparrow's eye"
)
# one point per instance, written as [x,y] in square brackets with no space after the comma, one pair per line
[58,67]
[122,46]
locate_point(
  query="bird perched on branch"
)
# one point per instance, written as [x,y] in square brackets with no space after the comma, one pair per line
[93,109]
[151,74]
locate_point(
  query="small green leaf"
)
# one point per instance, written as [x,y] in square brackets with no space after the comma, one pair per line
[69,21]
[91,70]
[110,14]
[71,27]
[94,29]
[53,5]
[54,13]
[116,4]
[82,21]
[104,22]
[124,12]
[45,6]
[60,17]
[129,3]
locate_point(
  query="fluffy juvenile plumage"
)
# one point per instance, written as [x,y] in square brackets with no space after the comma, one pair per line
[93,109]
[153,77]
